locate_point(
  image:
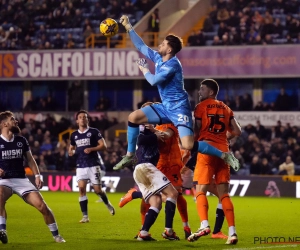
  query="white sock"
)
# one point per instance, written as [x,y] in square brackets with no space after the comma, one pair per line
[144,233]
[220,206]
[204,224]
[232,230]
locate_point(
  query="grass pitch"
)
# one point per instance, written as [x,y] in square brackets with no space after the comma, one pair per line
[256,219]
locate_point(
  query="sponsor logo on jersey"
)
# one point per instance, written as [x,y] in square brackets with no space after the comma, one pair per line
[83,142]
[12,154]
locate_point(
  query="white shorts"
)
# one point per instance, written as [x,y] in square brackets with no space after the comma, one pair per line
[20,186]
[149,179]
[187,178]
[92,174]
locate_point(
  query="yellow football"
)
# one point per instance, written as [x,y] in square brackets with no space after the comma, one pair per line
[109,27]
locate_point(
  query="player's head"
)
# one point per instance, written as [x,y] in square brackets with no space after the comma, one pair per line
[171,45]
[9,122]
[209,88]
[82,118]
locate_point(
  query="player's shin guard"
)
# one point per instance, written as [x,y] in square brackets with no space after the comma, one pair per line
[150,218]
[83,202]
[205,148]
[170,212]
[132,134]
[228,209]
[182,208]
[104,198]
[144,209]
[219,219]
[202,206]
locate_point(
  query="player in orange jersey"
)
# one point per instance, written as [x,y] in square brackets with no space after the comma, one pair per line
[213,119]
[187,174]
[170,164]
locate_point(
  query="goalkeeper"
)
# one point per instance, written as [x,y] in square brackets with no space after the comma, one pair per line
[175,107]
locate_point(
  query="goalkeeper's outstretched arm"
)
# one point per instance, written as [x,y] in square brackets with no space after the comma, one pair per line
[136,39]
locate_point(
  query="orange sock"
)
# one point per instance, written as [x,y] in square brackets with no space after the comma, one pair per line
[228,209]
[202,205]
[144,209]
[182,208]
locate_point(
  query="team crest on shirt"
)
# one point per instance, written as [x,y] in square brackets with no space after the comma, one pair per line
[19,144]
[75,136]
[165,178]
[99,135]
[1,146]
[88,134]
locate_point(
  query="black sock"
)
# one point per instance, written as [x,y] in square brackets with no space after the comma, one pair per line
[150,218]
[136,195]
[104,197]
[170,209]
[83,206]
[219,220]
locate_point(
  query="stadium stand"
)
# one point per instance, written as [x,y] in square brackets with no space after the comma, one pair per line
[251,23]
[36,24]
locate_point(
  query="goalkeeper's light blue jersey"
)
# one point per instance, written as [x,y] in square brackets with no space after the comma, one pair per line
[168,76]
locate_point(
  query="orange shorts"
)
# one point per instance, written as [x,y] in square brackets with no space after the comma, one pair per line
[211,167]
[172,173]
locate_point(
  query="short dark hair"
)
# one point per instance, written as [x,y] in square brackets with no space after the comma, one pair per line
[4,115]
[175,43]
[82,111]
[211,84]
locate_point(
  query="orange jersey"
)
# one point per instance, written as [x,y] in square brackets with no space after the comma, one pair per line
[170,160]
[169,150]
[215,117]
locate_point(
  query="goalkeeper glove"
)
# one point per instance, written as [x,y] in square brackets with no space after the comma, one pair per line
[143,65]
[124,20]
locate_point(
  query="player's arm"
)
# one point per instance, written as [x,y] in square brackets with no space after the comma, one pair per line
[136,39]
[35,170]
[235,128]
[100,147]
[155,79]
[197,128]
[72,147]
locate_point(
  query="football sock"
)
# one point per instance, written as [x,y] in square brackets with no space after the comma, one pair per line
[132,134]
[144,209]
[103,196]
[136,195]
[219,219]
[83,201]
[53,228]
[228,209]
[182,208]
[204,148]
[2,223]
[232,230]
[170,212]
[202,206]
[150,218]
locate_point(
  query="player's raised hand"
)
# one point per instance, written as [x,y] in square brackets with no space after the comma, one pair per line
[124,20]
[143,65]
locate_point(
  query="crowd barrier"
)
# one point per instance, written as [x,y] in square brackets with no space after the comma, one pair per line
[269,186]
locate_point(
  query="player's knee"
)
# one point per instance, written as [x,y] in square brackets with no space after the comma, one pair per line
[188,145]
[174,194]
